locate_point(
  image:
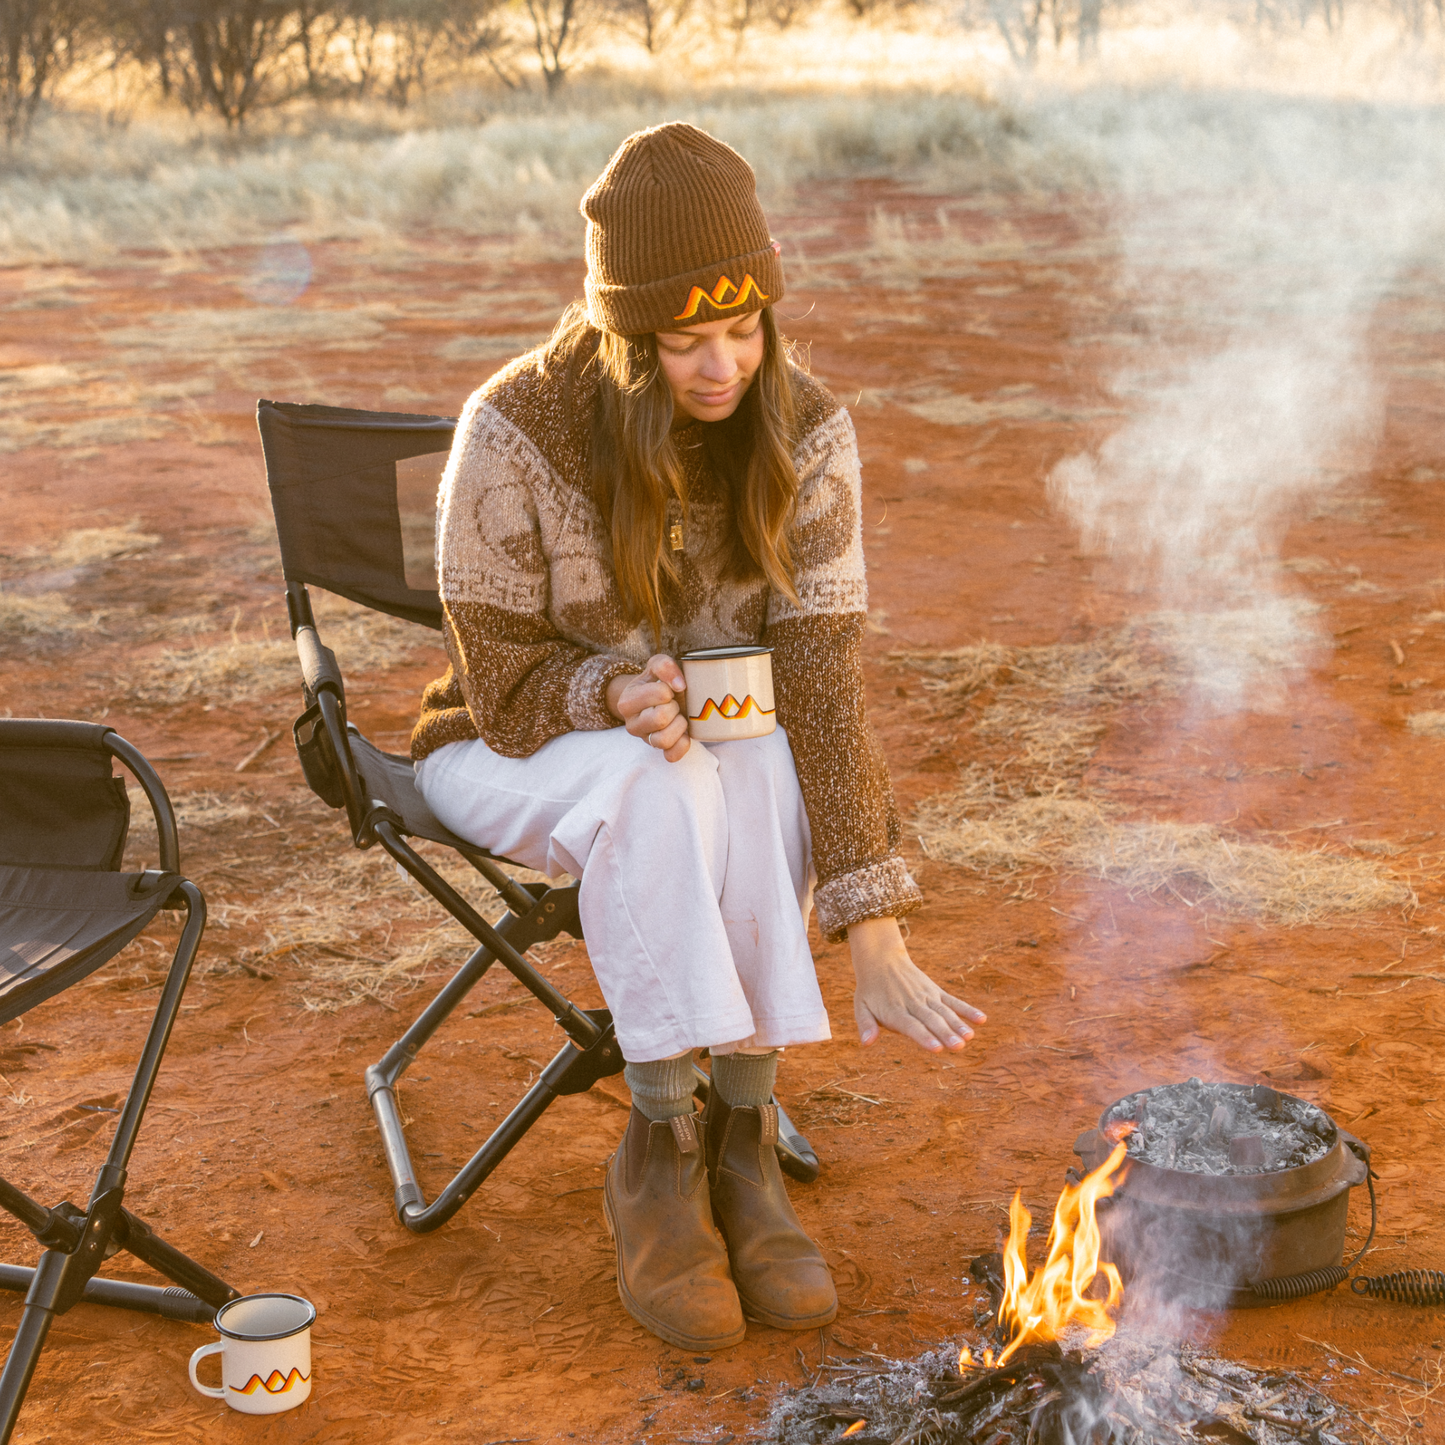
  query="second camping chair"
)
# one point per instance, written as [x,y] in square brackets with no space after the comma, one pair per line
[66,910]
[354,495]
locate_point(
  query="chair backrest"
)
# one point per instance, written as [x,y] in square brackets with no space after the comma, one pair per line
[354,493]
[60,804]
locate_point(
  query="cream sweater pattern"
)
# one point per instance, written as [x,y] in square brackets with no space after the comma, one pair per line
[535,629]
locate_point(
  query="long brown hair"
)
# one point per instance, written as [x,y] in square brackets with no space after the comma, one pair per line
[636,470]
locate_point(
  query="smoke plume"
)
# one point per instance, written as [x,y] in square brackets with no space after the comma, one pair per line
[1256,235]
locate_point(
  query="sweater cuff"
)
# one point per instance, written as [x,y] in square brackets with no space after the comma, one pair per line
[587,691]
[878,890]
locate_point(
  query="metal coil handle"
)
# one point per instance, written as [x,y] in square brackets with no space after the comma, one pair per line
[1297,1286]
[1404,1286]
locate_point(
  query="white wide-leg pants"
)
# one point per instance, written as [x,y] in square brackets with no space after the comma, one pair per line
[696,876]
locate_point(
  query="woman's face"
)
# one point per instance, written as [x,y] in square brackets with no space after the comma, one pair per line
[709,367]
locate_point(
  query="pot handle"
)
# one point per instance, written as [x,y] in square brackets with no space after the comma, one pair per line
[1359,1153]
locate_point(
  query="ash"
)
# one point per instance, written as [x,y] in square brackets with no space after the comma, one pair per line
[1222,1128]
[1127,1392]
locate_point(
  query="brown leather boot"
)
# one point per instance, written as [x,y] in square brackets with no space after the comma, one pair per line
[780,1274]
[672,1269]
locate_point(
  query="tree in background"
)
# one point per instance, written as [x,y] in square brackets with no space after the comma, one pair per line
[652,23]
[234,56]
[39,41]
[1023,24]
[558,27]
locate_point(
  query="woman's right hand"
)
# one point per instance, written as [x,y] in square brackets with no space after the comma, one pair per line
[646,702]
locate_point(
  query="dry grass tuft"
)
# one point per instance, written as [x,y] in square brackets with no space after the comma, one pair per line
[89,545]
[1203,867]
[294,901]
[233,670]
[1055,700]
[1427,724]
[32,609]
[193,810]
[1196,863]
[47,618]
[358,930]
[1003,836]
[1029,810]
[1115,666]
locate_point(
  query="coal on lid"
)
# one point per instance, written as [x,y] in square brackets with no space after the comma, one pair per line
[1220,1128]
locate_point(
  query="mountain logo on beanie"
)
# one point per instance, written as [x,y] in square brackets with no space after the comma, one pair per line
[719,294]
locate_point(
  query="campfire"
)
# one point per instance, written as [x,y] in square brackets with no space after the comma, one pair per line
[1062,1294]
[1054,1370]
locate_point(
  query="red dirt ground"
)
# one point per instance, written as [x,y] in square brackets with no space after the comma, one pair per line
[260,1155]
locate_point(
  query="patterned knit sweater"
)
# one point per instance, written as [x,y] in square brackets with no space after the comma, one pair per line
[535,628]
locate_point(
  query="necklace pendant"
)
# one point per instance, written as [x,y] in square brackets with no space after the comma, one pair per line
[675,536]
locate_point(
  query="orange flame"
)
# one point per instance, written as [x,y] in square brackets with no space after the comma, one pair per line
[1057,1295]
[853,1429]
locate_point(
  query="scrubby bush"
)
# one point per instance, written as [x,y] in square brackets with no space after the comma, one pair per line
[39,41]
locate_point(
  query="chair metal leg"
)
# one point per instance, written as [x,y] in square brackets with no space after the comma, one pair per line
[573,1071]
[590,1053]
[45,1299]
[574,1021]
[63,1227]
[133,1110]
[170,1301]
[138,1238]
[20,1365]
[80,1240]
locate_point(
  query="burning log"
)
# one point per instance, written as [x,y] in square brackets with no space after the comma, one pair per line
[1062,1376]
[1122,1393]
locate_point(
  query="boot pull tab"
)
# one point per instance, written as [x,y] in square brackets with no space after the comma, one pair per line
[684,1131]
[768,1116]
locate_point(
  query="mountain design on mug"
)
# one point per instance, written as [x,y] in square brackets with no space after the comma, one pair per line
[274,1384]
[731,709]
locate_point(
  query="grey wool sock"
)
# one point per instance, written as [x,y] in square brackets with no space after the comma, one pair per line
[663,1088]
[745,1080]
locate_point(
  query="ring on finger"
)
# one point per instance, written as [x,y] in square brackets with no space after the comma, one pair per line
[650,740]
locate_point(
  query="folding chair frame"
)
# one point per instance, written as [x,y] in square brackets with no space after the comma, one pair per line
[536,913]
[78,1241]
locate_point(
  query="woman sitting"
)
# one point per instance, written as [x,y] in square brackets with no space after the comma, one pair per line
[661,477]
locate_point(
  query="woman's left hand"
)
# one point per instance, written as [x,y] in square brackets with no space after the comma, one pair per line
[892,992]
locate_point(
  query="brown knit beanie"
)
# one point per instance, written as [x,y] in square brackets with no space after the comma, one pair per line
[675,235]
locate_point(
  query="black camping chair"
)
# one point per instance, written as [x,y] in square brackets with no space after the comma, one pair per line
[66,909]
[354,493]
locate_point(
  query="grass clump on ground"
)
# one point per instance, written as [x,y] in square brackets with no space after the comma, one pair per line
[1041,712]
[1427,724]
[231,670]
[33,611]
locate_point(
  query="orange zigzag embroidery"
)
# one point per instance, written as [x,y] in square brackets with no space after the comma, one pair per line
[731,709]
[719,296]
[274,1384]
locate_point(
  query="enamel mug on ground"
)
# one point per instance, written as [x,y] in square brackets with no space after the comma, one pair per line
[729,693]
[265,1350]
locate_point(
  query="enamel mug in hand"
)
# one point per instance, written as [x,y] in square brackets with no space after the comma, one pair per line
[729,693]
[265,1350]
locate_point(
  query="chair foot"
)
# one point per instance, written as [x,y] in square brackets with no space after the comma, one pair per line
[20,1365]
[169,1301]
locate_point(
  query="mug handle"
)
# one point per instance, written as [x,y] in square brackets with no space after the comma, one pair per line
[214,1348]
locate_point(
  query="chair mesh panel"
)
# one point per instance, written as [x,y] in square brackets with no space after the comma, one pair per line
[61,808]
[332,474]
[57,926]
[391,780]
